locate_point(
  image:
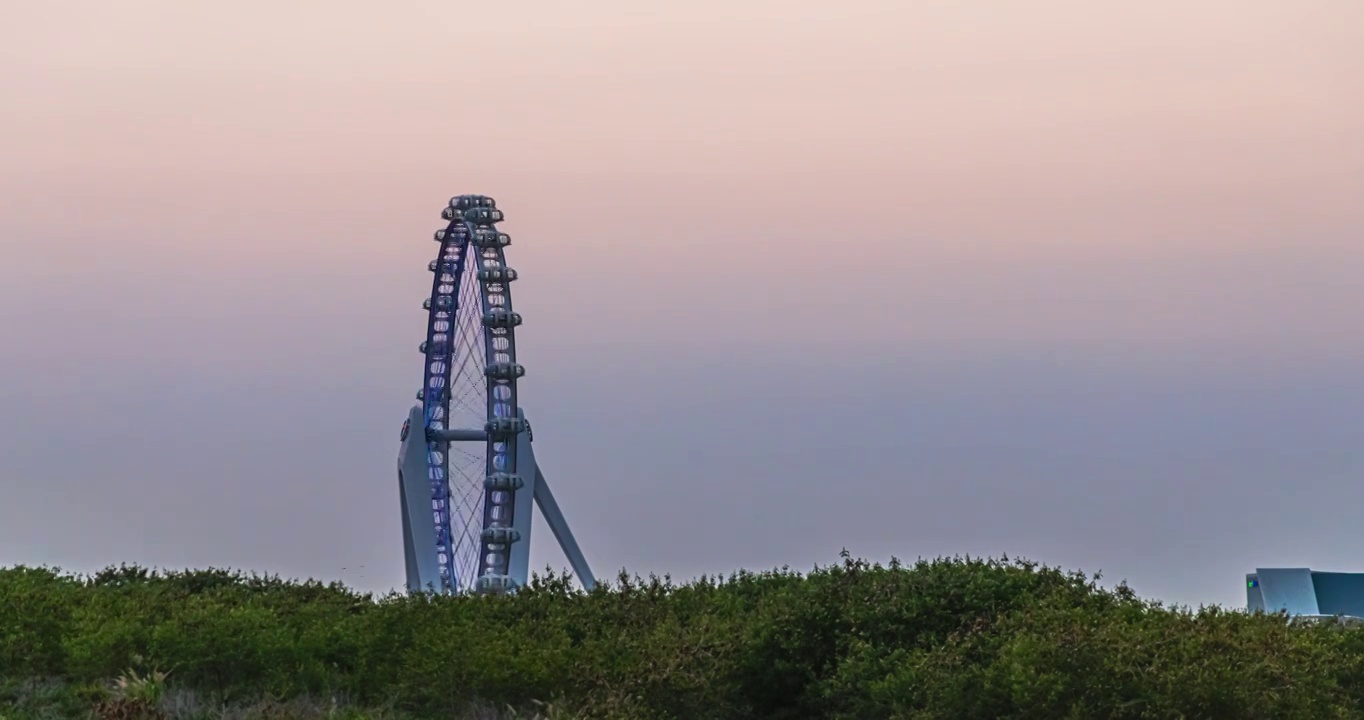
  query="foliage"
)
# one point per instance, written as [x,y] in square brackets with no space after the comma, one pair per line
[135,697]
[939,639]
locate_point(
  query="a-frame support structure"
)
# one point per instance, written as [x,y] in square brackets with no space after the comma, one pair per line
[419,532]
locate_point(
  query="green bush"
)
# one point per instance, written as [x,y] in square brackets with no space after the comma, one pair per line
[959,638]
[35,609]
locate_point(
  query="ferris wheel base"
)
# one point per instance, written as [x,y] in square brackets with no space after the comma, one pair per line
[419,538]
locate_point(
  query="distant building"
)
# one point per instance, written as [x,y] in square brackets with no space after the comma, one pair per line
[1305,593]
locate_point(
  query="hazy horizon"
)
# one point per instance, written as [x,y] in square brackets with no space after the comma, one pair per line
[1068,282]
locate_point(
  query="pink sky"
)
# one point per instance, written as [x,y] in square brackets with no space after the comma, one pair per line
[977,144]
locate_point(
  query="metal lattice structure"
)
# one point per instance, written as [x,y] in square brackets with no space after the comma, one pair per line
[466,461]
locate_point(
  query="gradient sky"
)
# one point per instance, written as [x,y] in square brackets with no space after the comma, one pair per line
[1070,280]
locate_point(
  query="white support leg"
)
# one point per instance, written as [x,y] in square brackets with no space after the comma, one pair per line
[414,492]
[518,559]
[559,526]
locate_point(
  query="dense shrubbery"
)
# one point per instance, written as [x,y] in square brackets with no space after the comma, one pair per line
[943,639]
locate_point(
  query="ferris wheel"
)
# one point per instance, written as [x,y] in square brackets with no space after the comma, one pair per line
[467,473]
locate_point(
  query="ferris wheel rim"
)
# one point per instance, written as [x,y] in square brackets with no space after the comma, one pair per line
[471,231]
